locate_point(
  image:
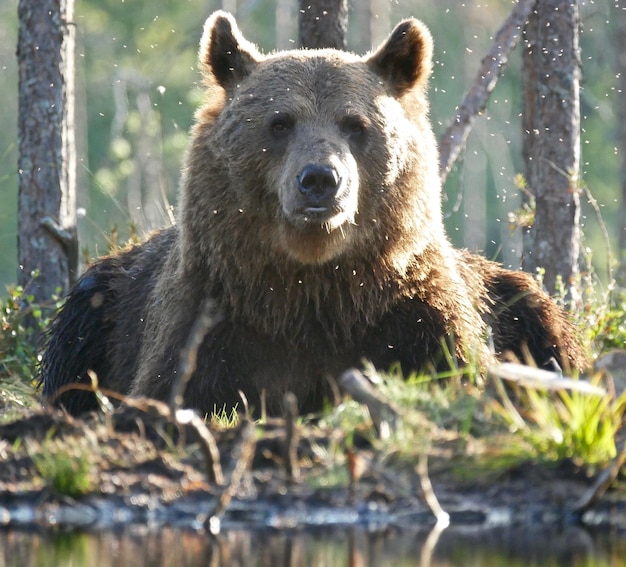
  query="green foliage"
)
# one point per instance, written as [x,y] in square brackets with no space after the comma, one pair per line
[21,323]
[223,418]
[65,465]
[524,217]
[446,400]
[572,425]
[136,64]
[578,425]
[609,332]
[607,316]
[429,408]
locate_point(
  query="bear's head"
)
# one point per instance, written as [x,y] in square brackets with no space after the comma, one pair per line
[311,155]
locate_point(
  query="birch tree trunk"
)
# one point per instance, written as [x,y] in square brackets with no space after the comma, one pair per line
[47,243]
[551,141]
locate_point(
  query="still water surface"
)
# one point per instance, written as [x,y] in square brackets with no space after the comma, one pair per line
[511,547]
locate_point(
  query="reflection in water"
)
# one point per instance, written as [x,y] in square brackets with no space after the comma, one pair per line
[320,548]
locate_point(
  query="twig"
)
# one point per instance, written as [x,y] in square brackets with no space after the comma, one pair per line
[208,444]
[155,408]
[291,437]
[453,140]
[605,233]
[384,416]
[357,465]
[246,454]
[66,236]
[206,319]
[443,518]
[428,548]
[602,483]
[68,239]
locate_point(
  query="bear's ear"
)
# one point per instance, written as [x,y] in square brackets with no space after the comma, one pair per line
[404,60]
[226,57]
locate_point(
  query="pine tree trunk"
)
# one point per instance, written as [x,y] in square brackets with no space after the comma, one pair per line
[619,43]
[47,246]
[323,23]
[551,132]
[361,18]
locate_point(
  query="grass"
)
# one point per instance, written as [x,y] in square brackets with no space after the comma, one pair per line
[574,425]
[22,323]
[65,465]
[19,355]
[223,418]
[454,416]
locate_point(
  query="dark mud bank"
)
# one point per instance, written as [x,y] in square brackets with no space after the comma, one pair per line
[142,469]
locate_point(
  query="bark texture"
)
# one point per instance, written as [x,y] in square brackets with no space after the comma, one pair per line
[47,247]
[551,141]
[619,39]
[323,23]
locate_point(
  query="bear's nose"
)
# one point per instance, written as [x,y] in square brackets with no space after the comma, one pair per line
[318,182]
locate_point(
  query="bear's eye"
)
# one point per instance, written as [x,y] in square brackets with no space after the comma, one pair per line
[353,126]
[281,125]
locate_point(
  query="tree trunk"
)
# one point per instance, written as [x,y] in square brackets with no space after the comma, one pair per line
[619,43]
[323,23]
[361,19]
[551,141]
[47,244]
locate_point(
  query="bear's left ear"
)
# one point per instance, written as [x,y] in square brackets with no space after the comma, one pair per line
[225,56]
[404,60]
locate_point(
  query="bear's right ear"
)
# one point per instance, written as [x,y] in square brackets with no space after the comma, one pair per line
[404,60]
[225,56]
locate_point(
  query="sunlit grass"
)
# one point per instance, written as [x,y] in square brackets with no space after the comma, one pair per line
[18,356]
[18,349]
[569,424]
[65,465]
[223,418]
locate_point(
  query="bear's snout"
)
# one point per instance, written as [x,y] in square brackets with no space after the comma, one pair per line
[318,184]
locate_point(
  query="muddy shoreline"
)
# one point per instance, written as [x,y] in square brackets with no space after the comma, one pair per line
[143,469]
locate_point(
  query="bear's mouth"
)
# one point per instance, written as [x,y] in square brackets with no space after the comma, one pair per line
[314,237]
[327,219]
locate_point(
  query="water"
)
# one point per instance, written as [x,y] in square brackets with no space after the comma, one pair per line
[142,547]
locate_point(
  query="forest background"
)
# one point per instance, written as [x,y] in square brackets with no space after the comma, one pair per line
[138,87]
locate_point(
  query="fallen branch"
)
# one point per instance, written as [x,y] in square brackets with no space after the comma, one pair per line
[453,140]
[539,379]
[384,416]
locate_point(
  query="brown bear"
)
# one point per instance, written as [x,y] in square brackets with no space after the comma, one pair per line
[310,216]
